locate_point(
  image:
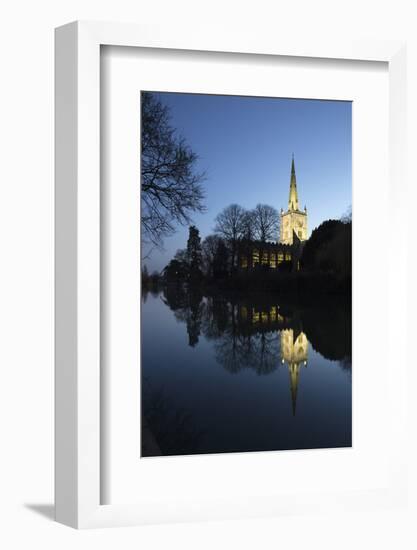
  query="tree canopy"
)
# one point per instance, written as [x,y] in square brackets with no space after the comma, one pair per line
[329,249]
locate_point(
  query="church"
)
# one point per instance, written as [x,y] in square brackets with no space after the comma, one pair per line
[294,220]
[293,233]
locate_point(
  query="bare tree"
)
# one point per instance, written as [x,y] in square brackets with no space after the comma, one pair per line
[171,187]
[229,224]
[249,225]
[266,222]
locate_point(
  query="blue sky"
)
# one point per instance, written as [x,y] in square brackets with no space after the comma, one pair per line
[245,145]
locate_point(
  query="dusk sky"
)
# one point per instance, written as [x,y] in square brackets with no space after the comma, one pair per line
[245,146]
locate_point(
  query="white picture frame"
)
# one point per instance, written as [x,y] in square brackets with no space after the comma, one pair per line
[78,321]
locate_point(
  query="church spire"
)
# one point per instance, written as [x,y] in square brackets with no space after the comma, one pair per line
[293,198]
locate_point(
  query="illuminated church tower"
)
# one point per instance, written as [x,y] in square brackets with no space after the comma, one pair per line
[294,220]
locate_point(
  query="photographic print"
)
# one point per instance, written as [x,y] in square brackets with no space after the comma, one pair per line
[246,274]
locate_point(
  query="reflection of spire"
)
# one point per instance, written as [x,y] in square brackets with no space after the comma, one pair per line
[294,351]
[294,370]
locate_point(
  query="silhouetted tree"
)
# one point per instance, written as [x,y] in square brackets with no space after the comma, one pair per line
[249,225]
[181,255]
[221,261]
[176,272]
[209,249]
[329,249]
[194,254]
[171,186]
[230,224]
[266,222]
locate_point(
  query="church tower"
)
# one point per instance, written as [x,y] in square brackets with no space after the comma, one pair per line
[293,221]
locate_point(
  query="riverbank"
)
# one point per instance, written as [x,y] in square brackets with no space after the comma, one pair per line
[303,284]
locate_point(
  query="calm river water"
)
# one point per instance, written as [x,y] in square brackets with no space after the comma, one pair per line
[232,374]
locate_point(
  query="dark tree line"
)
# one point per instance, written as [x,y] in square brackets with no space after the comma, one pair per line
[325,262]
[329,249]
[216,256]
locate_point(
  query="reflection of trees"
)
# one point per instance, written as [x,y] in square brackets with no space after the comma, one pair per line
[216,318]
[245,331]
[187,305]
[346,364]
[329,330]
[194,314]
[145,293]
[238,342]
[260,352]
[167,429]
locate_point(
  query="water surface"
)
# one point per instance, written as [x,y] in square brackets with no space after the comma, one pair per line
[228,374]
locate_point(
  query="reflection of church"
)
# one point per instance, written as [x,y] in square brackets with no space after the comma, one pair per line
[293,233]
[294,351]
[294,342]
